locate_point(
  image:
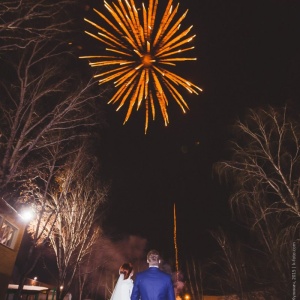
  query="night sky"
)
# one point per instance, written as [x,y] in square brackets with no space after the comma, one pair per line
[248,56]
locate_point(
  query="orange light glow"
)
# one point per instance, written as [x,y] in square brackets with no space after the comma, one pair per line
[141,51]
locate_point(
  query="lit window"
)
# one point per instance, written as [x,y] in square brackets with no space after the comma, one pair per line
[7,233]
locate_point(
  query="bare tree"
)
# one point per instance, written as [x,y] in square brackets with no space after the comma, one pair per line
[43,99]
[232,275]
[76,199]
[85,269]
[46,109]
[23,22]
[88,270]
[194,278]
[265,168]
[35,194]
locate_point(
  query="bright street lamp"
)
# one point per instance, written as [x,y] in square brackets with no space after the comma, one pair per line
[27,214]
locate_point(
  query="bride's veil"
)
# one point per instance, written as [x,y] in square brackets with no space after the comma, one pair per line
[117,291]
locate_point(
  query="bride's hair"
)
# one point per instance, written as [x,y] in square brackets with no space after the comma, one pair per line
[126,269]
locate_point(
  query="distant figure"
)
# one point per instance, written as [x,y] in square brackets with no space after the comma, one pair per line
[153,284]
[123,288]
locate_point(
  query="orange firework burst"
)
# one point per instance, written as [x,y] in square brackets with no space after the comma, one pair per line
[141,53]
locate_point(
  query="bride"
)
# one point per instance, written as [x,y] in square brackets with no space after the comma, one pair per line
[124,284]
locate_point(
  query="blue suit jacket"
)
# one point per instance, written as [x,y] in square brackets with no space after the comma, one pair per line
[153,284]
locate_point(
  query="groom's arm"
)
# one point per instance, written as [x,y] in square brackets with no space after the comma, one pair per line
[135,295]
[171,294]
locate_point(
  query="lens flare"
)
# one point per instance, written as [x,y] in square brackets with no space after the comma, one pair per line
[142,50]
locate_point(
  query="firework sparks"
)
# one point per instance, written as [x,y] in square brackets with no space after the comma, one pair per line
[141,50]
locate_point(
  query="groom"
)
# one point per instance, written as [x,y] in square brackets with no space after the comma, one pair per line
[153,284]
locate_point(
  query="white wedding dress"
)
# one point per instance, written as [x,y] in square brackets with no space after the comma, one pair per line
[122,289]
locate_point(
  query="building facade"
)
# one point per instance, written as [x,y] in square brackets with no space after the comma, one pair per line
[11,233]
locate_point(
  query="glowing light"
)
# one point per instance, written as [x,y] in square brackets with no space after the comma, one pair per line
[27,214]
[141,52]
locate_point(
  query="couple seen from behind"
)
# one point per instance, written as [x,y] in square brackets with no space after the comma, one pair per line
[151,284]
